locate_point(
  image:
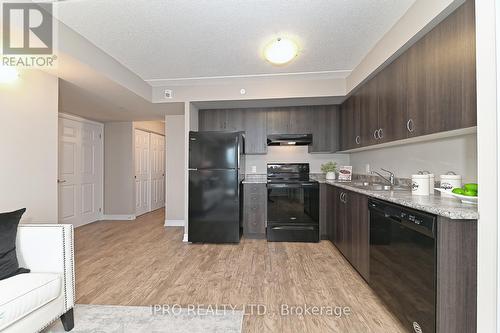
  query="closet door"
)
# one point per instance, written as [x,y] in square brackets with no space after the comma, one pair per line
[80,175]
[142,172]
[157,148]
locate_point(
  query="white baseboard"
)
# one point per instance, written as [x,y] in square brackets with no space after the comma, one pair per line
[174,223]
[118,217]
[185,239]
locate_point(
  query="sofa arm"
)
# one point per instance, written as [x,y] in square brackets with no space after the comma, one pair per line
[48,248]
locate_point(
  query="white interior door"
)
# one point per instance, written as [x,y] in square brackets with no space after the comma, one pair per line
[142,172]
[80,171]
[157,148]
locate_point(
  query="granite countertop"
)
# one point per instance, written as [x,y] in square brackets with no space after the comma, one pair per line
[255,179]
[451,208]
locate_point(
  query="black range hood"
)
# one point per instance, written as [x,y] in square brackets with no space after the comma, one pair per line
[289,139]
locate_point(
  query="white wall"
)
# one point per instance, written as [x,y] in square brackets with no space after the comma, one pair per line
[119,185]
[296,154]
[487,59]
[28,145]
[175,169]
[457,154]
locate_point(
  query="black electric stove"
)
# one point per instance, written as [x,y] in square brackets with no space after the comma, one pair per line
[292,203]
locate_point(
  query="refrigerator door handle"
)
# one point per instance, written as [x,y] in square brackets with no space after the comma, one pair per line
[192,169]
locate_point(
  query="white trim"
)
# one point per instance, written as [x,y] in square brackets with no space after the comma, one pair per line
[185,239]
[80,119]
[338,74]
[422,138]
[107,217]
[174,223]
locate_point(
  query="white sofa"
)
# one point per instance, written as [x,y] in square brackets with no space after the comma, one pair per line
[30,302]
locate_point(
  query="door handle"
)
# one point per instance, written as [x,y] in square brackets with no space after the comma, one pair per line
[61,181]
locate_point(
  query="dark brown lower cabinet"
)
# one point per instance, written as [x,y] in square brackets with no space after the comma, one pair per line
[254,210]
[348,226]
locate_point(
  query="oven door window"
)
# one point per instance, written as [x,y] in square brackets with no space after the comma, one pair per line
[292,204]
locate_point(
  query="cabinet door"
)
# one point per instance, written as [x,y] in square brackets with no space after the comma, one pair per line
[441,76]
[414,83]
[255,131]
[300,119]
[278,121]
[340,228]
[327,209]
[324,122]
[345,124]
[357,214]
[212,120]
[392,102]
[369,113]
[234,120]
[254,210]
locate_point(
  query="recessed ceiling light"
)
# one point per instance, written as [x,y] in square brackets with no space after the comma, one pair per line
[281,51]
[8,74]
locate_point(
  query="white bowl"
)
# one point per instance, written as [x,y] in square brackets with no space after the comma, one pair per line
[464,198]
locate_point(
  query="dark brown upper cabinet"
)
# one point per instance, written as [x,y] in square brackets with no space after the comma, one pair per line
[321,121]
[392,108]
[430,88]
[369,113]
[441,76]
[324,123]
[350,123]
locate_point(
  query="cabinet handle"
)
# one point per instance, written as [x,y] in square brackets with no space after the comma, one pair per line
[409,126]
[345,198]
[342,197]
[380,133]
[358,140]
[375,135]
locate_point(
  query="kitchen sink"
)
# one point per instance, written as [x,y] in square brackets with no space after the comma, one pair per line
[379,186]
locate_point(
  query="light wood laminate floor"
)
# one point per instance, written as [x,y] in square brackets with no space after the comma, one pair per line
[143,263]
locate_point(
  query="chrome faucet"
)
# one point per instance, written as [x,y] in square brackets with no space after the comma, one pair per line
[391,179]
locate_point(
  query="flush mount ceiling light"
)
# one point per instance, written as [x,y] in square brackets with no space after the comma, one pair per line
[8,74]
[280,51]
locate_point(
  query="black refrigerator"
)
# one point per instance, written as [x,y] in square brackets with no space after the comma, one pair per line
[216,169]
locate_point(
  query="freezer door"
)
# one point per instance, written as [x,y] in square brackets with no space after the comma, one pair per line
[213,150]
[214,206]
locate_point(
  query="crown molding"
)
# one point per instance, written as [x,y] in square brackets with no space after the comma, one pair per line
[230,79]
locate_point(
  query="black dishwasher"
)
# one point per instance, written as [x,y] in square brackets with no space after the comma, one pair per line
[403,263]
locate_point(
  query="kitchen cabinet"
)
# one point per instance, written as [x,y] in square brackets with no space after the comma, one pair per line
[392,106]
[251,121]
[255,128]
[322,121]
[369,113]
[430,88]
[350,123]
[254,210]
[348,226]
[278,121]
[441,78]
[325,129]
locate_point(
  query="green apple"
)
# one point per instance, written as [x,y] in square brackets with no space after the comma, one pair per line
[458,190]
[470,187]
[470,193]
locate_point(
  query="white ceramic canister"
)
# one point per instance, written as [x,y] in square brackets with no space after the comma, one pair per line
[420,184]
[448,182]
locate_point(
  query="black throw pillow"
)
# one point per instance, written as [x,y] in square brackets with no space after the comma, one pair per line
[9,265]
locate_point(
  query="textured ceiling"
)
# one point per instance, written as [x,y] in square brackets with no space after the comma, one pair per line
[178,39]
